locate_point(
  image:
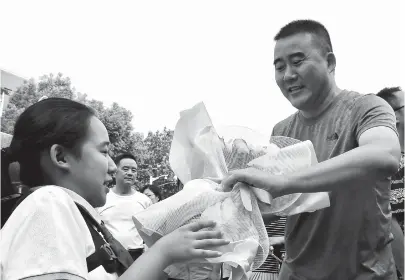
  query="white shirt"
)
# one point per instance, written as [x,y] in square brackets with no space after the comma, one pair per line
[46,237]
[117,216]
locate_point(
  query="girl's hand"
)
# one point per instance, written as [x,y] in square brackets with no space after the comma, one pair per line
[191,242]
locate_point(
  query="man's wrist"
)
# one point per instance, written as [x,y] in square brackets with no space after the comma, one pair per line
[287,185]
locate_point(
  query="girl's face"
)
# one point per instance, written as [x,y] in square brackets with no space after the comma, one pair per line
[90,172]
[151,195]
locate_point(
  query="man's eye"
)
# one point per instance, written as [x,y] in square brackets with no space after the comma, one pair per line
[280,68]
[297,62]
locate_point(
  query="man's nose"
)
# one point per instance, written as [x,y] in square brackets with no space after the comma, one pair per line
[289,74]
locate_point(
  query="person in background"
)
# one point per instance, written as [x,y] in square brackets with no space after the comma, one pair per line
[153,192]
[123,202]
[395,98]
[356,143]
[62,149]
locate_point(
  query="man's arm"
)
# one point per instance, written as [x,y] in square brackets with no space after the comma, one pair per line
[377,157]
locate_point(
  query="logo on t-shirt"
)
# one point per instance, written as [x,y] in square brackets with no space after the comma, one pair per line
[333,137]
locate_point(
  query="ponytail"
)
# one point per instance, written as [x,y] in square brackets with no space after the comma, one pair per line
[7,189]
[9,195]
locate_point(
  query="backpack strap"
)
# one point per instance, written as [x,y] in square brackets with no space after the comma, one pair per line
[109,252]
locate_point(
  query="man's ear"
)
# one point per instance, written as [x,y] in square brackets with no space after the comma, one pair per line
[331,59]
[60,157]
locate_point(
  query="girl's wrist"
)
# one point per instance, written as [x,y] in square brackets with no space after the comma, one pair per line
[162,255]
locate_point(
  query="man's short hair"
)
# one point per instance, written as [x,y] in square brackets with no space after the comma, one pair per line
[122,156]
[388,92]
[307,26]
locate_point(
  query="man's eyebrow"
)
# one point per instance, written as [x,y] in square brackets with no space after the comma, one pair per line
[276,61]
[296,54]
[127,166]
[300,54]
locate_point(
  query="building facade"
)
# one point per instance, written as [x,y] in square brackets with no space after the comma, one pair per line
[9,83]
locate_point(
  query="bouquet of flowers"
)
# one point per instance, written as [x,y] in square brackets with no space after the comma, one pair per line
[198,154]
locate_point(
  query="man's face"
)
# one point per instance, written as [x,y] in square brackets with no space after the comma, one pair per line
[92,170]
[126,172]
[301,70]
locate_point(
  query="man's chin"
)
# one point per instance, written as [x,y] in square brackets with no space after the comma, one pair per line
[299,103]
[129,183]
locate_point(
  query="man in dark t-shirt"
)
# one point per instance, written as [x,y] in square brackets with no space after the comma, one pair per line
[357,147]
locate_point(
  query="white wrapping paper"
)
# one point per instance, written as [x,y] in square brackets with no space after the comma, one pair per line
[197,152]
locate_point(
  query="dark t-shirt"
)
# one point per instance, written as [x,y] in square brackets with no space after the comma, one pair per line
[350,239]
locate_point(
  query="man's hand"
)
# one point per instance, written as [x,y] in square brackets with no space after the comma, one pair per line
[275,185]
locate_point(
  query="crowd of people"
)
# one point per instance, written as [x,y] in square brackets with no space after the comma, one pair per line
[70,225]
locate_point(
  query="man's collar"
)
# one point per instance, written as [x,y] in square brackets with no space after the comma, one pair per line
[115,191]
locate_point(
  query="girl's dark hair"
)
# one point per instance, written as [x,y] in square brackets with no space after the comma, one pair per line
[43,124]
[154,189]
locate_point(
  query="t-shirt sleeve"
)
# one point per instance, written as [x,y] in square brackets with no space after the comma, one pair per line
[46,240]
[372,111]
[273,132]
[277,129]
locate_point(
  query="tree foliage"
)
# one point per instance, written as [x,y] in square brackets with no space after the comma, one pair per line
[158,148]
[152,153]
[23,97]
[157,160]
[117,119]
